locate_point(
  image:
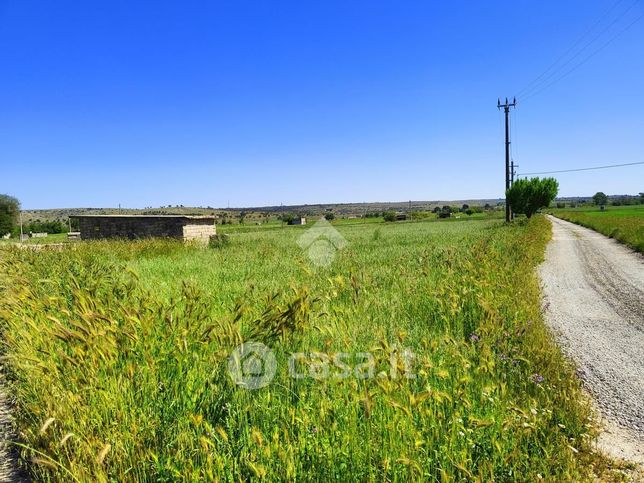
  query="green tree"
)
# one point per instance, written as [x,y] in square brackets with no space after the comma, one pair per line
[389,215]
[529,195]
[600,199]
[9,213]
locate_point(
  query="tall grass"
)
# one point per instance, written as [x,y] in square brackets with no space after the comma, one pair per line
[117,355]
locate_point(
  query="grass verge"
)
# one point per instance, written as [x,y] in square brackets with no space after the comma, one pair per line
[624,224]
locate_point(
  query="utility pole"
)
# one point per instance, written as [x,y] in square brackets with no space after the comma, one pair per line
[506,107]
[513,171]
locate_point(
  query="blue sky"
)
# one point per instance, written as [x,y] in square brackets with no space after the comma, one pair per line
[253,103]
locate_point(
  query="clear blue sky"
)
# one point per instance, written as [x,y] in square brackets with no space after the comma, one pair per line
[265,102]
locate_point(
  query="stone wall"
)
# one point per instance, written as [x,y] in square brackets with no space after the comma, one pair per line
[198,232]
[132,227]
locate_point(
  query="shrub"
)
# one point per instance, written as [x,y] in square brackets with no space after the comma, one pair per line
[389,215]
[219,240]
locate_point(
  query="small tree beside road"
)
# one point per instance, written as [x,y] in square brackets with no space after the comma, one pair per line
[527,196]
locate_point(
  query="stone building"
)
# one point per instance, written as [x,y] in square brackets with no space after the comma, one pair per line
[181,227]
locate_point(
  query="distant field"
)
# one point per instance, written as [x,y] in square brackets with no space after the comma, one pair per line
[117,355]
[341,222]
[623,223]
[53,238]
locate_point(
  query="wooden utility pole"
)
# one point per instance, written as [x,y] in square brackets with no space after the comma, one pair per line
[506,107]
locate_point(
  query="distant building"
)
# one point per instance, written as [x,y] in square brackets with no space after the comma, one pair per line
[181,227]
[298,220]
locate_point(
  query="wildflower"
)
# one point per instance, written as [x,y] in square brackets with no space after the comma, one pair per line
[537,378]
[474,338]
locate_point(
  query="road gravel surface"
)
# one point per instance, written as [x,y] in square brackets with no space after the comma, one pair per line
[594,303]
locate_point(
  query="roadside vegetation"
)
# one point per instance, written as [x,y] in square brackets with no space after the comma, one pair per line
[116,355]
[623,223]
[527,196]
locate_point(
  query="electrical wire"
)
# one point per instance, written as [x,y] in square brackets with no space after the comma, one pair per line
[527,92]
[515,133]
[570,49]
[582,169]
[586,59]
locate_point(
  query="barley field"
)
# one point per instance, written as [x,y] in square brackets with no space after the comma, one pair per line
[117,356]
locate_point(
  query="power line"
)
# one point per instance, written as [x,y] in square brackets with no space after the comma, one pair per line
[570,49]
[582,169]
[586,59]
[514,133]
[527,92]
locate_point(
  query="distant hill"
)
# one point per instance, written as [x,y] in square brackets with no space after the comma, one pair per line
[339,209]
[267,212]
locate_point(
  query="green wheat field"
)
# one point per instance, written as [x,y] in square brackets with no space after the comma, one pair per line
[116,354]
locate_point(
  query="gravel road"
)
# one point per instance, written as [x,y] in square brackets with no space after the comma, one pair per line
[594,294]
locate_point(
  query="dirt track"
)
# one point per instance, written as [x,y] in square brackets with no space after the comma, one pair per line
[594,294]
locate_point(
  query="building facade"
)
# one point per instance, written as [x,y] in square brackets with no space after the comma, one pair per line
[186,228]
